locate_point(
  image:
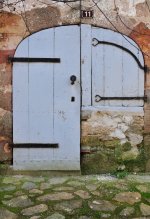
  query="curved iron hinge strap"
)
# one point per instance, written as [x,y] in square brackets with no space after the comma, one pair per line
[96,42]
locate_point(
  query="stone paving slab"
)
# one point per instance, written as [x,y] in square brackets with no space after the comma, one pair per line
[75,197]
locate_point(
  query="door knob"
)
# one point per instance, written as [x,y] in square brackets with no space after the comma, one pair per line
[73,78]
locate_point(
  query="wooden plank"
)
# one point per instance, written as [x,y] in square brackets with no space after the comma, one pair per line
[41,88]
[20,103]
[40,44]
[98,68]
[40,162]
[86,64]
[41,103]
[67,113]
[40,106]
[132,86]
[117,74]
[113,68]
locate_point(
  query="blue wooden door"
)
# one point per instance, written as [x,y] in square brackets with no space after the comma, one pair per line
[46,104]
[111,77]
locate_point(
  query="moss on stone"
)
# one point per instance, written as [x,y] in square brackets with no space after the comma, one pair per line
[95,141]
[137,165]
[112,144]
[126,146]
[122,150]
[101,162]
[91,141]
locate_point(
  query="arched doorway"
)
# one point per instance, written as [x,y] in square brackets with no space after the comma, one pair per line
[49,69]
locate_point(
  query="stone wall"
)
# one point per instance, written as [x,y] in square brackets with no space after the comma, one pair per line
[20,19]
[112,140]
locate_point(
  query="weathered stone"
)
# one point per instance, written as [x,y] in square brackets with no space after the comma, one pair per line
[45,17]
[56,196]
[128,119]
[123,127]
[85,217]
[111,143]
[5,214]
[121,167]
[35,179]
[5,148]
[11,180]
[99,162]
[68,206]
[35,217]
[143,188]
[130,155]
[104,215]
[34,210]
[91,141]
[19,193]
[45,186]
[85,115]
[102,205]
[141,218]
[56,216]
[8,196]
[135,139]
[36,191]
[127,212]
[121,185]
[139,178]
[5,126]
[63,188]
[92,187]
[21,201]
[128,197]
[145,209]
[97,193]
[29,186]
[11,20]
[82,194]
[118,134]
[75,183]
[7,188]
[57,180]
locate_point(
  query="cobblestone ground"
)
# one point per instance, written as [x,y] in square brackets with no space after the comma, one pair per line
[83,197]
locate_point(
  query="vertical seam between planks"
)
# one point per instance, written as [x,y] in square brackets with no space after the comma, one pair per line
[28,97]
[122,72]
[91,33]
[103,67]
[138,78]
[53,85]
[81,99]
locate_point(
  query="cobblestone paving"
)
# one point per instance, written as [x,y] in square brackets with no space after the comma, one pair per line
[74,197]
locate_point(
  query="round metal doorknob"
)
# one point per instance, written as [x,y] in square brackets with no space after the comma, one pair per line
[73,78]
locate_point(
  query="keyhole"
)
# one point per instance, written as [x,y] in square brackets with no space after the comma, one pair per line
[72,99]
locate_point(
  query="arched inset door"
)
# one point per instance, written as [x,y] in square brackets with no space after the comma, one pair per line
[46,101]
[112,69]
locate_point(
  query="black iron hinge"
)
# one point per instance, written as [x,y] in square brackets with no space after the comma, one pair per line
[98,98]
[31,145]
[95,42]
[26,59]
